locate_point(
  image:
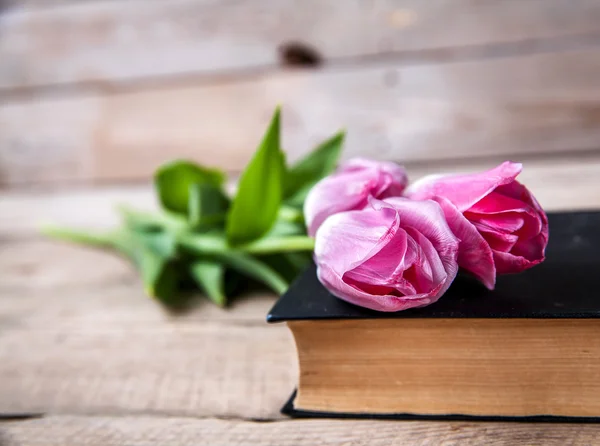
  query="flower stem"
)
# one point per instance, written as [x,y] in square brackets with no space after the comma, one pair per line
[291,214]
[279,244]
[99,239]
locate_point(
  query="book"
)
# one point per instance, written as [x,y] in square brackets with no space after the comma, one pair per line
[530,348]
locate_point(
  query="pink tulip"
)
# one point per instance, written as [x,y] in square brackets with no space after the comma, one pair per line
[350,188]
[501,226]
[393,255]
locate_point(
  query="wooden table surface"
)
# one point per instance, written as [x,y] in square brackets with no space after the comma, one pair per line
[95,94]
[87,358]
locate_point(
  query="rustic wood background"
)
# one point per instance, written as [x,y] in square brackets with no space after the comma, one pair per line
[95,94]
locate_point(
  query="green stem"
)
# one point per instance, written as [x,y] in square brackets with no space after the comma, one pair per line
[99,239]
[273,245]
[203,244]
[289,213]
[256,269]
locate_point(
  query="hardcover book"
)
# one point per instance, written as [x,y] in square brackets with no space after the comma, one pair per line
[530,348]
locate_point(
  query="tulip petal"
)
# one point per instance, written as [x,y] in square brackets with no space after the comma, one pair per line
[350,187]
[509,222]
[517,191]
[464,190]
[354,295]
[427,270]
[498,240]
[347,239]
[385,266]
[396,172]
[336,193]
[475,254]
[508,263]
[505,213]
[428,218]
[531,249]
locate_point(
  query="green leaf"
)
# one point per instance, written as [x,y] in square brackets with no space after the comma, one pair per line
[302,176]
[161,243]
[209,276]
[159,274]
[173,180]
[151,221]
[153,256]
[255,206]
[255,269]
[208,204]
[288,264]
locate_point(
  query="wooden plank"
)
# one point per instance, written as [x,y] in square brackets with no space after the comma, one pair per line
[506,106]
[33,269]
[107,364]
[563,182]
[25,212]
[114,40]
[138,431]
[31,272]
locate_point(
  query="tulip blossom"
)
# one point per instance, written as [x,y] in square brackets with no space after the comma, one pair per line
[350,188]
[392,255]
[501,226]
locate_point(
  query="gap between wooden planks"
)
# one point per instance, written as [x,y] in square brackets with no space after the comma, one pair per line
[110,41]
[144,431]
[515,106]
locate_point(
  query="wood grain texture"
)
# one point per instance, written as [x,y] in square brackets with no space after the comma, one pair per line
[108,41]
[145,431]
[106,358]
[506,106]
[34,269]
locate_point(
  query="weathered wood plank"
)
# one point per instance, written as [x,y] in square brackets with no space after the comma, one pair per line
[564,182]
[186,367]
[146,431]
[44,281]
[25,212]
[114,40]
[517,106]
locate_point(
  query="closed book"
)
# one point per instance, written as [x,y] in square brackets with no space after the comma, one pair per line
[530,348]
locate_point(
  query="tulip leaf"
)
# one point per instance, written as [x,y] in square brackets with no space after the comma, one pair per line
[303,175]
[137,220]
[161,243]
[158,273]
[173,180]
[288,264]
[208,204]
[256,269]
[209,275]
[259,195]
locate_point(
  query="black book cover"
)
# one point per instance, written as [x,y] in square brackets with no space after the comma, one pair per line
[564,286]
